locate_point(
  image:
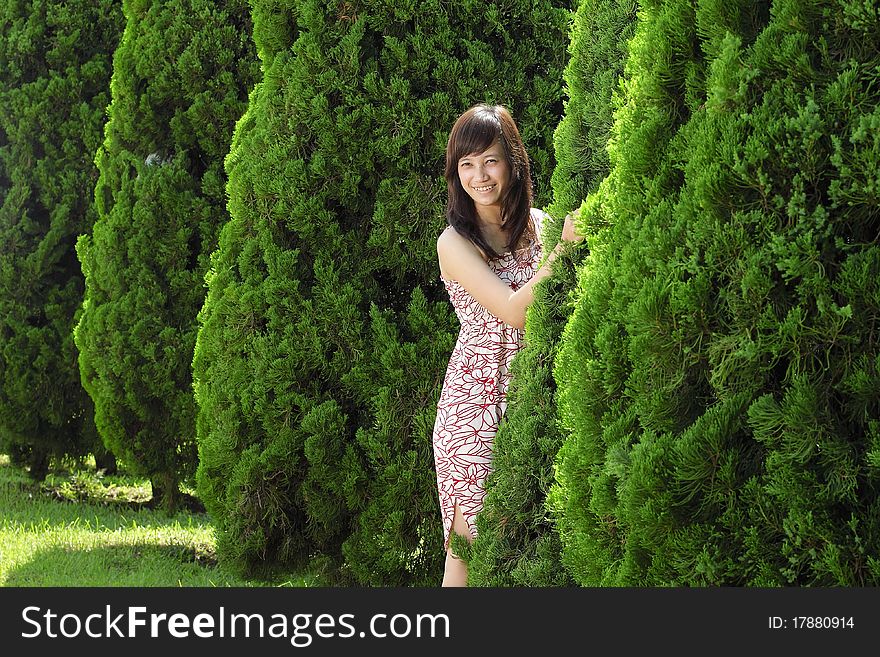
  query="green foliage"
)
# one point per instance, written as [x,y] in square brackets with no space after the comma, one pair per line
[54,76]
[326,331]
[181,76]
[518,543]
[719,374]
[599,39]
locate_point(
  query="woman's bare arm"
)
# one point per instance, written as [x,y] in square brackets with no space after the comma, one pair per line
[461,261]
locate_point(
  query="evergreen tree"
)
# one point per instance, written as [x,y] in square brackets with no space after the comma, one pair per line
[326,331]
[720,372]
[181,75]
[518,544]
[55,66]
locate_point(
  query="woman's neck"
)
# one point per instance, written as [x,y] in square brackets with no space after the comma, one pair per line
[489,217]
[495,235]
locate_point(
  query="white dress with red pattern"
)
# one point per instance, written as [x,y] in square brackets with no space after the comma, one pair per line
[474,395]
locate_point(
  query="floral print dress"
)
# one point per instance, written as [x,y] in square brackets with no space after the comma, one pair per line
[474,395]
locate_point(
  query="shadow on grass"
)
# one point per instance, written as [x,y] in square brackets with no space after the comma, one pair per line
[106,505]
[84,483]
[114,497]
[130,564]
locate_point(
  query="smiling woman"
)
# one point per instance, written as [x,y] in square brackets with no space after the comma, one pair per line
[489,261]
[485,177]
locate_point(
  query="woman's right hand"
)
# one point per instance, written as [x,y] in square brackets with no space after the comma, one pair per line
[569,232]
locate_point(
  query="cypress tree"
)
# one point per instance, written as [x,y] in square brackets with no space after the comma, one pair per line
[518,544]
[326,331]
[55,66]
[181,75]
[720,373]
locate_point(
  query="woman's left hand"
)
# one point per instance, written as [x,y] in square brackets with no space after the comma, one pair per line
[569,232]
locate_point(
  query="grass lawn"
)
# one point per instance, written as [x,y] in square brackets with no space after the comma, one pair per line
[80,528]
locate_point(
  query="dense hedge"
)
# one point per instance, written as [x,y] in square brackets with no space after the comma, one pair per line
[55,66]
[696,402]
[518,544]
[181,76]
[720,373]
[326,331]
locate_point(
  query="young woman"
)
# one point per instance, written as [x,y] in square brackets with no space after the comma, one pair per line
[489,256]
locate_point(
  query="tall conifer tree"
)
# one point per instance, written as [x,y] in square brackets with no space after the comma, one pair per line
[518,544]
[181,76]
[720,373]
[55,66]
[326,331]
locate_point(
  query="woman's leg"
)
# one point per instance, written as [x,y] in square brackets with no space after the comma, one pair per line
[455,571]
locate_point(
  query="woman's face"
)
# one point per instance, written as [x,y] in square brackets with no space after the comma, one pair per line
[485,176]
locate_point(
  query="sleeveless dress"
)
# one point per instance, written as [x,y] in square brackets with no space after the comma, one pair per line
[474,395]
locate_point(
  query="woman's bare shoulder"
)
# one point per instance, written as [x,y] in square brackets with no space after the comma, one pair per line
[451,241]
[453,248]
[448,236]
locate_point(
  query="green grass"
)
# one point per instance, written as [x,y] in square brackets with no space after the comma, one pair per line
[80,528]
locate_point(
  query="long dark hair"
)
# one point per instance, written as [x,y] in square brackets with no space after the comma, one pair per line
[474,132]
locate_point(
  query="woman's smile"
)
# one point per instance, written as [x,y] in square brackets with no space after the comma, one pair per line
[485,176]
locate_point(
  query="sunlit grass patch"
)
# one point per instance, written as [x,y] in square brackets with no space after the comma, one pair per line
[80,527]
